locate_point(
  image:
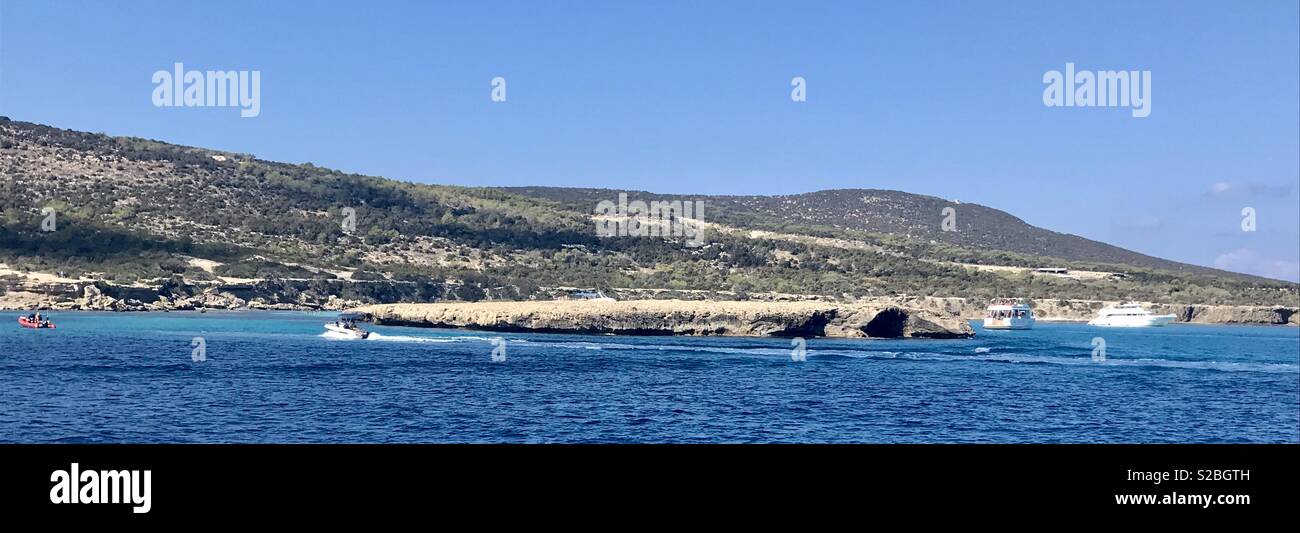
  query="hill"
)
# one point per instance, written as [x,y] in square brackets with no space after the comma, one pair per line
[131,212]
[913,216]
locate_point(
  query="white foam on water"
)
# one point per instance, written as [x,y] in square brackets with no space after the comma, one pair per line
[335,335]
[659,347]
[855,354]
[579,345]
[981,353]
[1224,366]
[414,338]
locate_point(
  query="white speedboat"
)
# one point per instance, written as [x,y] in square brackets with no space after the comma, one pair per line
[349,331]
[1008,313]
[347,325]
[1129,315]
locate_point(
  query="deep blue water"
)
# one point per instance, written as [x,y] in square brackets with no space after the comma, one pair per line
[273,377]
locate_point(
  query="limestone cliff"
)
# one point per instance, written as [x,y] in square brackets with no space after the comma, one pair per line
[679,317]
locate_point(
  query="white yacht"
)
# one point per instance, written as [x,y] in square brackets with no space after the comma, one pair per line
[1129,315]
[1008,313]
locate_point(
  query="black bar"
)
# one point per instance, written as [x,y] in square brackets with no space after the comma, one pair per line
[327,481]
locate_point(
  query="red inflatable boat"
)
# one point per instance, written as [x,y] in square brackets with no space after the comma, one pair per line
[22,321]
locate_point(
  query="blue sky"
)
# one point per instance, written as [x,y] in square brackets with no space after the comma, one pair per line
[939,98]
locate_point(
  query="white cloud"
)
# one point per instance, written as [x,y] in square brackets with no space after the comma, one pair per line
[1224,189]
[1250,262]
[1142,223]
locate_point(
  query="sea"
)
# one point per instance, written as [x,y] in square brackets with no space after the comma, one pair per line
[279,377]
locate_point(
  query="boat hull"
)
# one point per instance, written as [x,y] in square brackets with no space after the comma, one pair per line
[22,321]
[1008,323]
[354,333]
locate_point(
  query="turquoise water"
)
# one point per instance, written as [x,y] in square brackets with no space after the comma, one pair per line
[275,377]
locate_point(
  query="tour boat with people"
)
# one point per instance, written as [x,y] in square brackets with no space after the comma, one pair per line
[1008,313]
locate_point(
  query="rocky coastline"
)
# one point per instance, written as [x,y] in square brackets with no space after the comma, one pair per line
[679,317]
[280,295]
[334,295]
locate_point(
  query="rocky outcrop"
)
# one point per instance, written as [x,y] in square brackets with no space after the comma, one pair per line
[94,299]
[178,295]
[1231,314]
[678,317]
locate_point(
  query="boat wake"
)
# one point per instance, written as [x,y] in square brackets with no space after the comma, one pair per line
[374,336]
[1086,359]
[981,354]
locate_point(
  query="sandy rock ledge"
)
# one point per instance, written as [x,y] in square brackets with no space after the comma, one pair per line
[679,317]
